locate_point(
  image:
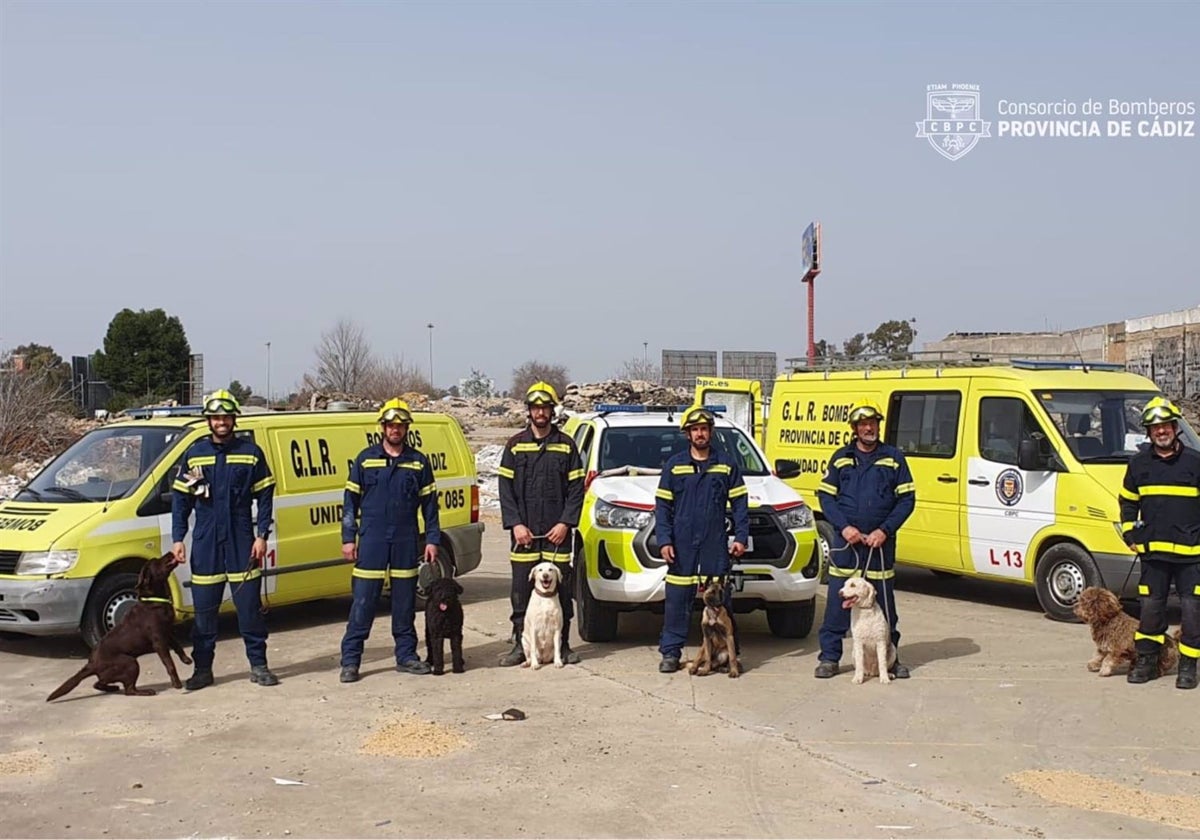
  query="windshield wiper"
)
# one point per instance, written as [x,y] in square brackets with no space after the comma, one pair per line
[37,497]
[70,493]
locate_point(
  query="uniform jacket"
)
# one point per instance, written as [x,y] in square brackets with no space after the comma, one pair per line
[541,482]
[1166,494]
[868,490]
[383,495]
[235,474]
[690,508]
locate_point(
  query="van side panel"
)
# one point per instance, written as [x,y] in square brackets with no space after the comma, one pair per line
[809,421]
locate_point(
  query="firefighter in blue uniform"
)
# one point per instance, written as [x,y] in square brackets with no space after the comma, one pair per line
[696,487]
[219,478]
[1160,519]
[541,497]
[867,494]
[388,483]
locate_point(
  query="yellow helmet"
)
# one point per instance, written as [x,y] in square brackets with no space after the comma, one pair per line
[695,416]
[541,393]
[865,411]
[1159,410]
[395,411]
[221,402]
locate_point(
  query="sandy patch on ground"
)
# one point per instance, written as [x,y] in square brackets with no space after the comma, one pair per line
[23,763]
[412,738]
[1079,790]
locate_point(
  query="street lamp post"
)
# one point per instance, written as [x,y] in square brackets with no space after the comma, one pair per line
[268,374]
[645,353]
[430,325]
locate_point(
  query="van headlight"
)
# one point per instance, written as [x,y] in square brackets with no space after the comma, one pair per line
[615,516]
[46,562]
[798,517]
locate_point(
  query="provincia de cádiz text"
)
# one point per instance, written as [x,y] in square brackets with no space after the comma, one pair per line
[955,118]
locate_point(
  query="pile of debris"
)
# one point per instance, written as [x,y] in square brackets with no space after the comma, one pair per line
[487,460]
[587,396]
[1190,406]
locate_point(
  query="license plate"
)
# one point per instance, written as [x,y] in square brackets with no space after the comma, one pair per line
[749,544]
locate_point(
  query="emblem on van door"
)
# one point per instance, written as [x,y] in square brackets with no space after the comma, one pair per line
[1009,487]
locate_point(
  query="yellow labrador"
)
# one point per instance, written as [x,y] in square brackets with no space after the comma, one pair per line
[872,637]
[543,618]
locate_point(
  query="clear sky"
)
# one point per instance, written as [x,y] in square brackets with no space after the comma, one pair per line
[566,181]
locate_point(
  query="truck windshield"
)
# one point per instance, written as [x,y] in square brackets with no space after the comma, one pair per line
[649,447]
[102,465]
[1104,426]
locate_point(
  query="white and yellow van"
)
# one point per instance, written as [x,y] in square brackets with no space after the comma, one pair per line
[1017,465]
[73,540]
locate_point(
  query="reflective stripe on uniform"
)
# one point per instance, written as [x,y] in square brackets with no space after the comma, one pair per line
[838,571]
[202,461]
[241,459]
[404,574]
[524,556]
[1126,527]
[574,475]
[353,488]
[684,580]
[181,486]
[1161,638]
[207,580]
[1169,490]
[740,490]
[427,489]
[906,487]
[505,472]
[843,462]
[823,487]
[1170,548]
[410,465]
[262,485]
[559,556]
[664,494]
[682,469]
[564,448]
[887,462]
[242,577]
[1189,651]
[1129,494]
[369,574]
[373,463]
[525,447]
[1143,589]
[886,574]
[724,469]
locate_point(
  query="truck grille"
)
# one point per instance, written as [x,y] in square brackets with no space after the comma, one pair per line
[8,561]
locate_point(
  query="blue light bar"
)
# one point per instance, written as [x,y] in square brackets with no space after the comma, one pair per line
[614,408]
[163,411]
[1066,364]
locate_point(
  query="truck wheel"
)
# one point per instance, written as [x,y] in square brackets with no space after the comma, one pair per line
[825,536]
[429,572]
[1063,572]
[110,598]
[792,622]
[597,621]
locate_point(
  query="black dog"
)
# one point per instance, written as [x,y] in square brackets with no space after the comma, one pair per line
[444,620]
[146,627]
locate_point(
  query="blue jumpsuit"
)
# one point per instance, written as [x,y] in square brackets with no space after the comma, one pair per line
[689,512]
[235,473]
[383,495]
[867,490]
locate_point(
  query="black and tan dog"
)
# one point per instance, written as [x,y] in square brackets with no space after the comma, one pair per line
[444,620]
[147,626]
[718,648]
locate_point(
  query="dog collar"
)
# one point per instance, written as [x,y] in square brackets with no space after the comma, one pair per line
[155,600]
[545,594]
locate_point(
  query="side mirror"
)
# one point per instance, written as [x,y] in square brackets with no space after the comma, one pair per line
[1029,456]
[787,468]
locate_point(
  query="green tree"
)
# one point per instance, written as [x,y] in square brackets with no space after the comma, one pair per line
[242,392]
[41,358]
[477,385]
[892,339]
[854,346]
[145,357]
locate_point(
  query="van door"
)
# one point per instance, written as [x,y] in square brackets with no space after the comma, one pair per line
[1006,506]
[926,426]
[742,398]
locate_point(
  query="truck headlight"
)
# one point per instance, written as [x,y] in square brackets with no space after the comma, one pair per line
[615,516]
[46,562]
[798,517]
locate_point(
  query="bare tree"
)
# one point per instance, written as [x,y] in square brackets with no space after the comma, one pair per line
[638,369]
[28,398]
[535,371]
[343,358]
[392,377]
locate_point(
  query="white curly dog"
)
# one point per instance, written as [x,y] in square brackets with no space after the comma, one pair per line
[869,626]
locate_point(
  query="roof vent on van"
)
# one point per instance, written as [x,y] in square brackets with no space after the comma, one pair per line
[340,405]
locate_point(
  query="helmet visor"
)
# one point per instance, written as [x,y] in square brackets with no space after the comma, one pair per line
[220,405]
[696,417]
[395,415]
[864,412]
[539,398]
[1158,414]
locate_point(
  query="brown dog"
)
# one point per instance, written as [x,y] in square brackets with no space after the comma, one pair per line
[1112,631]
[146,627]
[717,649]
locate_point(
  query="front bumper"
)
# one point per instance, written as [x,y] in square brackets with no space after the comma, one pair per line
[42,607]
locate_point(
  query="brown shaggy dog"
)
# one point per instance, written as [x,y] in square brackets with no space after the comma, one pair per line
[1112,631]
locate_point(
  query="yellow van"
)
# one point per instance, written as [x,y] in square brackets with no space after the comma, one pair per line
[72,540]
[1017,465]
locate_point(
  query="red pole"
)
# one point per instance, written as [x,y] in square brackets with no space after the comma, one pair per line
[812,344]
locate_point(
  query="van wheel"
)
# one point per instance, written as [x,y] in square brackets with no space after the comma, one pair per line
[110,599]
[597,621]
[1063,572]
[825,537]
[794,622]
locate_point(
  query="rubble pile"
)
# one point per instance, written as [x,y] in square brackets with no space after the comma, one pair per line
[585,397]
[487,460]
[1190,406]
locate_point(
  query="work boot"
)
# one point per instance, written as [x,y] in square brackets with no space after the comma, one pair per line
[261,675]
[1144,669]
[569,657]
[515,656]
[200,678]
[669,665]
[826,669]
[414,666]
[349,674]
[898,671]
[1186,678]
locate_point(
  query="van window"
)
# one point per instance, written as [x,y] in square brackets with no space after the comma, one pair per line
[1103,426]
[924,424]
[105,464]
[1003,423]
[583,442]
